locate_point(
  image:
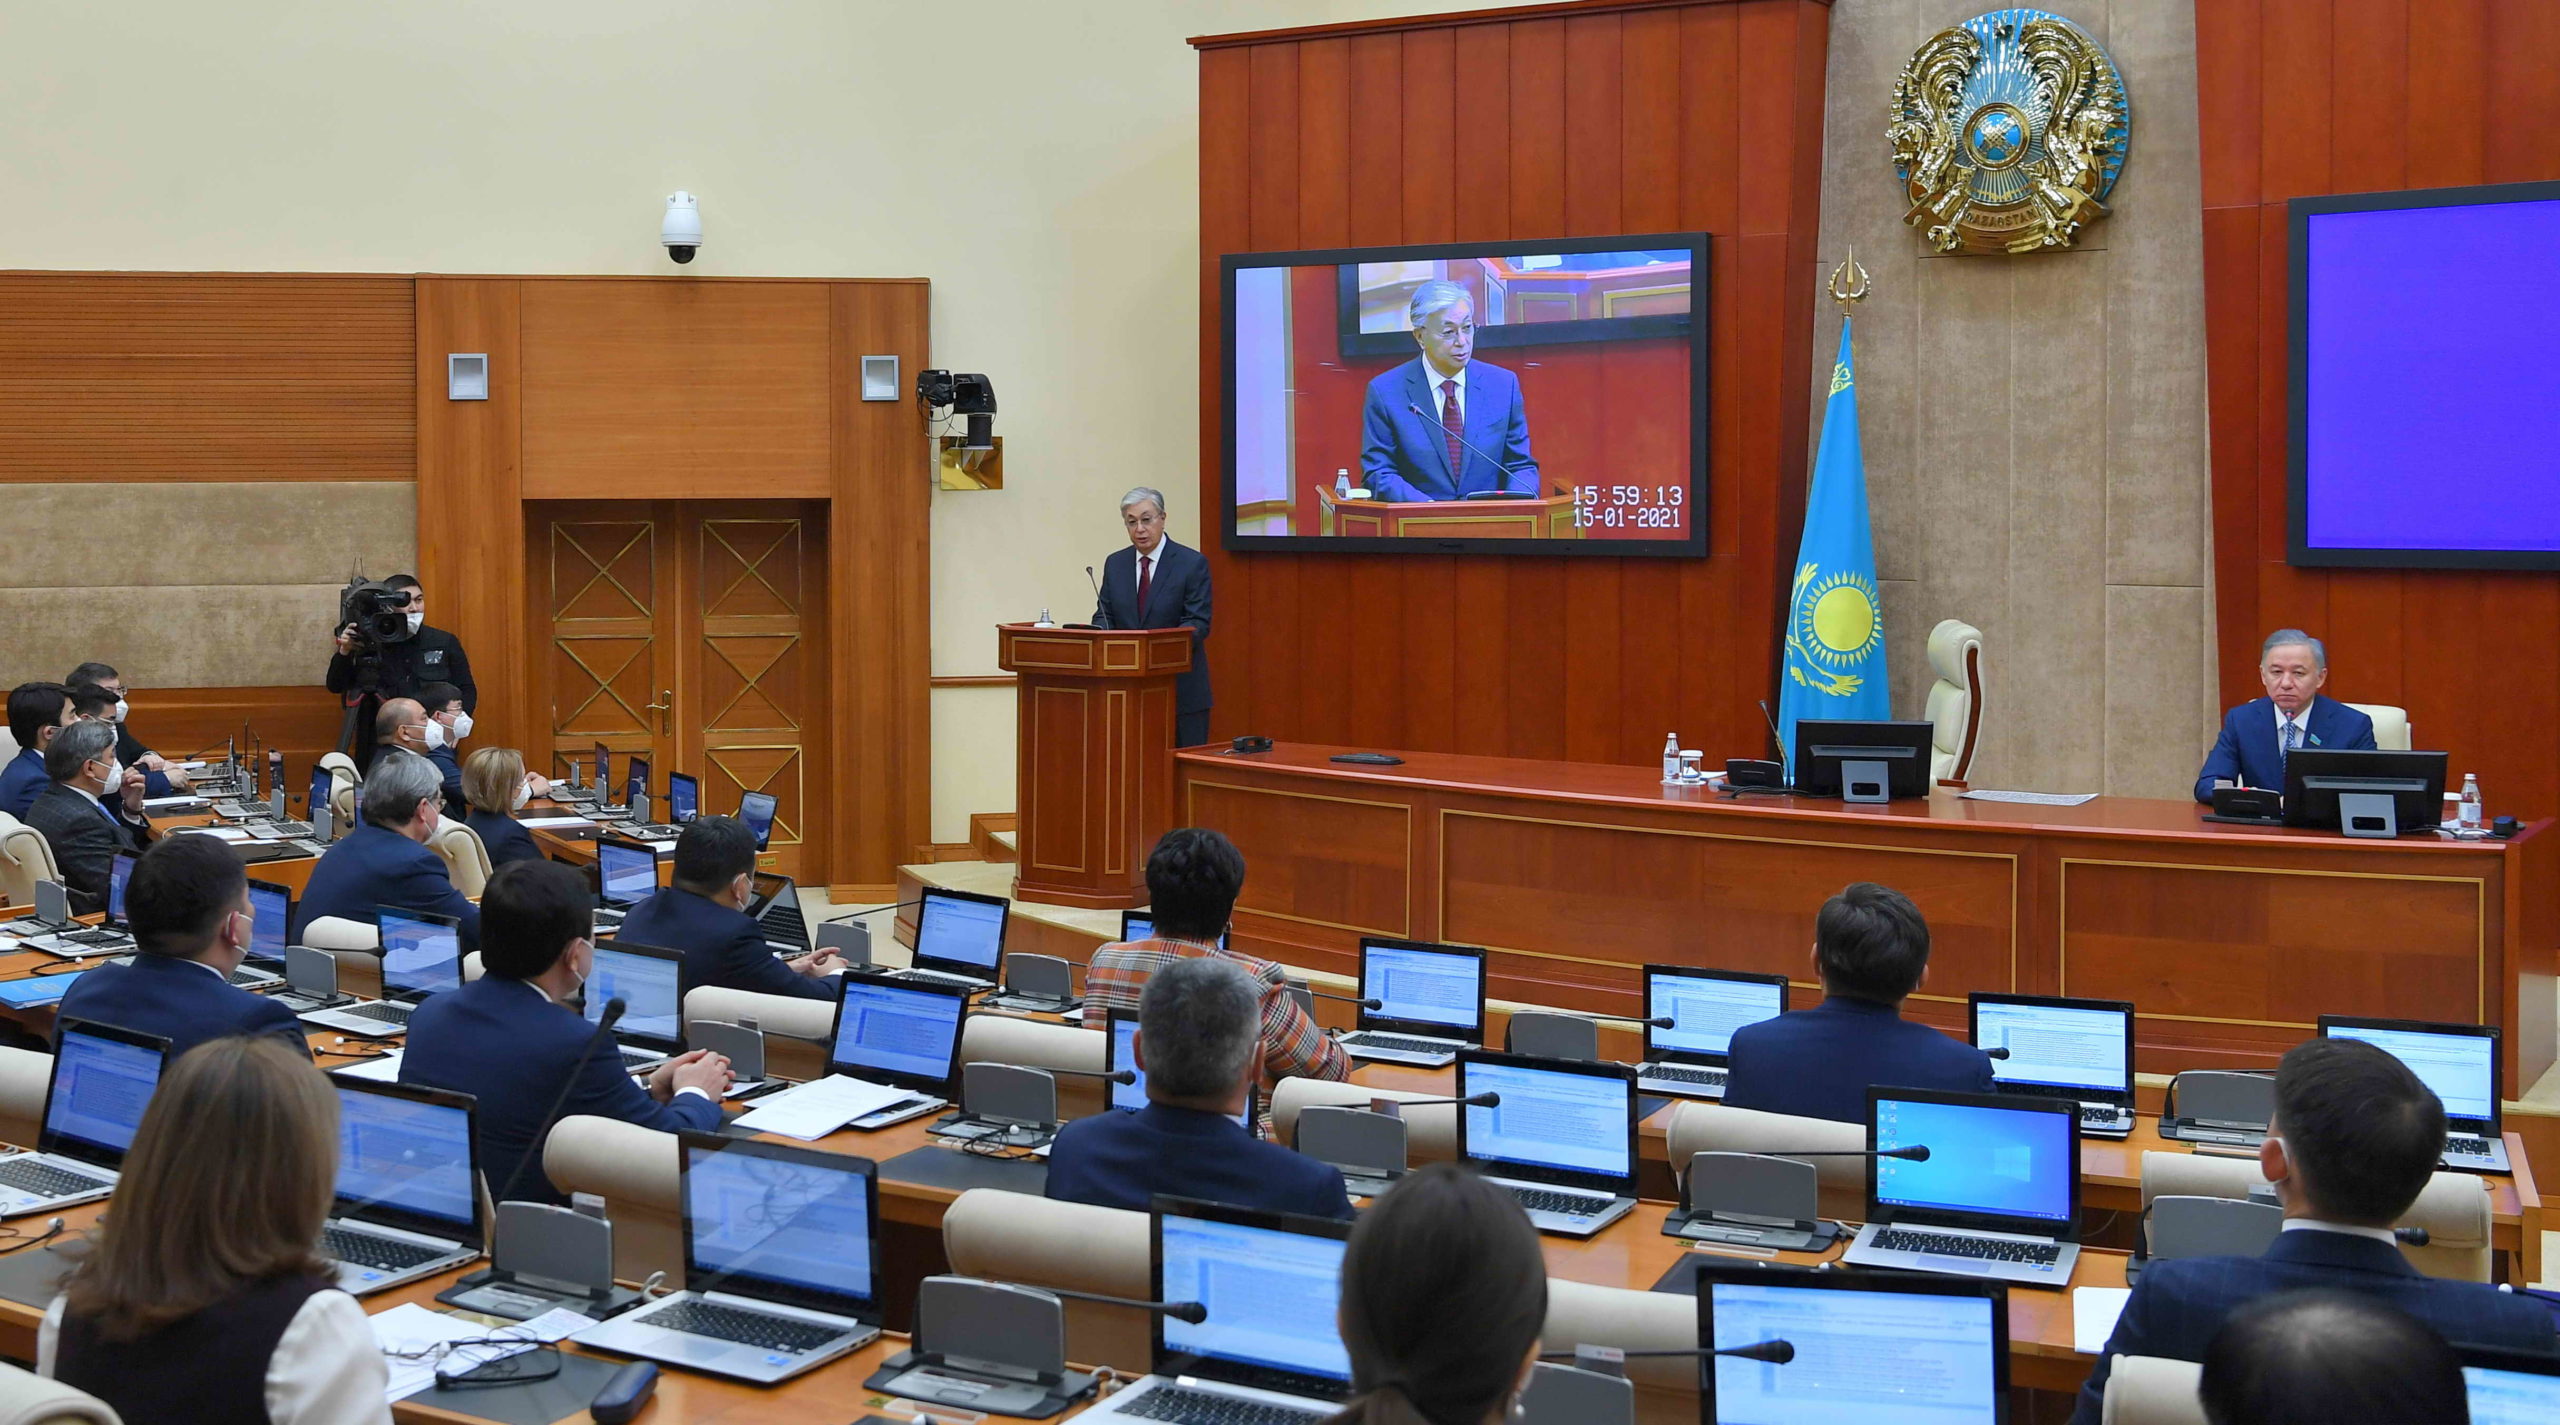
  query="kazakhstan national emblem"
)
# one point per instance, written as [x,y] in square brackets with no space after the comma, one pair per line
[1832,625]
[2009,131]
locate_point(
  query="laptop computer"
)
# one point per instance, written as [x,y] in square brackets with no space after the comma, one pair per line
[626,874]
[408,1185]
[774,904]
[1686,1059]
[756,809]
[781,1253]
[591,789]
[2460,1063]
[1875,1346]
[1431,1002]
[901,1034]
[1997,1197]
[270,921]
[1268,1351]
[1121,1053]
[2076,1049]
[421,956]
[1562,1140]
[103,1078]
[1138,925]
[111,936]
[959,938]
[684,798]
[644,978]
[2510,1387]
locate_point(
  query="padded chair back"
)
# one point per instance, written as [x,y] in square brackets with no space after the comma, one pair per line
[1955,701]
[796,1030]
[8,744]
[637,1172]
[1579,1314]
[2390,725]
[1698,1127]
[1431,1133]
[465,859]
[1042,1044]
[2152,1390]
[29,1399]
[24,1076]
[1032,1241]
[25,858]
[2452,1207]
[355,945]
[1553,1036]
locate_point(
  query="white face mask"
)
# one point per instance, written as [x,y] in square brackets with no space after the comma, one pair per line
[461,726]
[415,621]
[115,775]
[435,733]
[524,793]
[120,709]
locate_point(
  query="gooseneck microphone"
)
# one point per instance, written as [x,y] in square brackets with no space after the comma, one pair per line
[1345,999]
[1487,1099]
[1776,1353]
[1096,583]
[2001,1053]
[613,1011]
[1507,471]
[1916,1153]
[1190,1311]
[1114,1076]
[1776,742]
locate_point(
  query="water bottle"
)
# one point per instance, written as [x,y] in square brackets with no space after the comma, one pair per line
[1044,621]
[1342,483]
[2471,818]
[1671,760]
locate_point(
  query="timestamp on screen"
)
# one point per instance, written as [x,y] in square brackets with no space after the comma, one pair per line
[1630,507]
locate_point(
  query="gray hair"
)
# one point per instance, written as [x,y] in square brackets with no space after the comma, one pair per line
[2287,638]
[1201,1021]
[1142,495]
[74,747]
[398,781]
[1435,296]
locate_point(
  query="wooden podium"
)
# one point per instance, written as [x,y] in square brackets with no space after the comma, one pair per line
[1093,757]
[1548,518]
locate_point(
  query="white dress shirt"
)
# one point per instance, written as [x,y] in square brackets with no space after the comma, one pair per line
[1138,576]
[2301,720]
[326,1369]
[2314,1224]
[1440,398]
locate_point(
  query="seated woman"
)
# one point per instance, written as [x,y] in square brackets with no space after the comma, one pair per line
[1444,1292]
[203,1298]
[495,787]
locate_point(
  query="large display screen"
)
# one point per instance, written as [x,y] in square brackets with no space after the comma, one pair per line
[1523,397]
[2426,405]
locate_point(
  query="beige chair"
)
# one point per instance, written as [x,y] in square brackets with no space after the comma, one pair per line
[1697,1127]
[2390,725]
[1032,1241]
[637,1172]
[1431,1133]
[24,1076]
[343,781]
[1042,1044]
[1579,1314]
[25,858]
[2152,1390]
[2453,1207]
[29,1399]
[1955,700]
[796,1030]
[465,859]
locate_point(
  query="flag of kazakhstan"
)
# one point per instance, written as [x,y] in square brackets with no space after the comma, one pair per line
[1835,621]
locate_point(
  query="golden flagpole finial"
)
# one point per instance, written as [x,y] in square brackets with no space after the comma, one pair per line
[1849,282]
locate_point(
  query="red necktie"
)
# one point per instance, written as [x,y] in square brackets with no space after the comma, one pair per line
[1146,579]
[1452,420]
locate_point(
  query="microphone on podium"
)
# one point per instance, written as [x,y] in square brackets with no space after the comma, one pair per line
[1096,583]
[1507,471]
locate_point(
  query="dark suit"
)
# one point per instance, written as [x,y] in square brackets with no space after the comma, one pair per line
[85,838]
[433,656]
[447,764]
[179,1000]
[130,751]
[2176,1306]
[722,946]
[2246,750]
[21,781]
[374,866]
[1177,597]
[1820,1062]
[503,837]
[1404,456]
[507,1045]
[1116,1158]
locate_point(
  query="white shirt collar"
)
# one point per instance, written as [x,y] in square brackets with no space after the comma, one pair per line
[2301,719]
[2314,1224]
[208,969]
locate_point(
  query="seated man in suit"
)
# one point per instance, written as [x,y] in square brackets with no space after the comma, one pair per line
[495,787]
[2354,1138]
[158,779]
[704,914]
[513,1038]
[1871,948]
[188,903]
[1200,1046]
[2257,734]
[2321,1357]
[404,723]
[91,810]
[385,861]
[1444,426]
[447,723]
[36,712]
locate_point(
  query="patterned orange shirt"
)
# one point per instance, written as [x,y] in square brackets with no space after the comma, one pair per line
[1292,1046]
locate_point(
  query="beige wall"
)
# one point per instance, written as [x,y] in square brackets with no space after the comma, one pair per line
[2034,427]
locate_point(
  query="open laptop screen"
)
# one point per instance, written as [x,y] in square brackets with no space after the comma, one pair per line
[102,1081]
[684,798]
[1417,985]
[2510,1387]
[406,1157]
[1984,1160]
[756,810]
[784,1224]
[1705,1008]
[625,874]
[323,782]
[645,982]
[270,920]
[2459,1063]
[1136,925]
[2056,1045]
[635,779]
[1270,1294]
[906,1034]
[119,875]
[962,933]
[1123,1054]
[1552,1119]
[421,953]
[1916,1353]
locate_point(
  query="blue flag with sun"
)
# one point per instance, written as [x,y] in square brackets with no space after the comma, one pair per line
[1835,622]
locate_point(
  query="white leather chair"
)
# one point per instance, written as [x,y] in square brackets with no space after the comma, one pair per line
[1579,1314]
[465,859]
[25,1074]
[343,781]
[356,946]
[1074,1246]
[1043,1044]
[29,1399]
[637,1171]
[2152,1390]
[1431,1132]
[796,1031]
[1698,1127]
[2390,725]
[1955,700]
[2452,1207]
[25,858]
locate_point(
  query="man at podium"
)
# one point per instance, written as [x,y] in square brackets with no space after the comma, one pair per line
[1156,583]
[1444,426]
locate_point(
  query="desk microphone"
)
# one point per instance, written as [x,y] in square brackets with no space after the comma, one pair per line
[1916,1153]
[2413,1236]
[1487,1099]
[1775,741]
[1662,1021]
[1096,583]
[1507,471]
[1190,1311]
[1605,1358]
[1116,1076]
[1996,1053]
[1345,999]
[612,1015]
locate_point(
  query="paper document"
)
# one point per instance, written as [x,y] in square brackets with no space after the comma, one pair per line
[409,1333]
[819,1107]
[385,1070]
[2034,799]
[553,821]
[177,801]
[2094,1310]
[218,833]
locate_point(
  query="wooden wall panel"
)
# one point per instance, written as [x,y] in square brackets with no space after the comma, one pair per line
[470,492]
[1547,121]
[2305,97]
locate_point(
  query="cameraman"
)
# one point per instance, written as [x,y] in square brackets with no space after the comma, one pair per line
[427,655]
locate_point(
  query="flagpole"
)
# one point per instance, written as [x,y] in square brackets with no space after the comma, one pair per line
[1849,283]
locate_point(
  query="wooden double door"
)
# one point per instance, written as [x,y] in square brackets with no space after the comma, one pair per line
[692,632]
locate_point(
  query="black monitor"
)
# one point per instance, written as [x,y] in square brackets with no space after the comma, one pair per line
[1823,745]
[2316,777]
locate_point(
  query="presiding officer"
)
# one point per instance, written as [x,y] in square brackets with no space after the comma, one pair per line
[1156,583]
[427,655]
[1444,426]
[2257,734]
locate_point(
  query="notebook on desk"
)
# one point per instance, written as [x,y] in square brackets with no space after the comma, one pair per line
[1997,1194]
[2510,1387]
[646,979]
[408,1203]
[959,938]
[1686,1058]
[1430,1002]
[1865,1346]
[2045,1046]
[1562,1139]
[421,957]
[626,874]
[901,1034]
[103,1079]
[2459,1062]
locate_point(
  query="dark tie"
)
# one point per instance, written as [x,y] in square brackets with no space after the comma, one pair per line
[1452,421]
[1146,581]
[2292,737]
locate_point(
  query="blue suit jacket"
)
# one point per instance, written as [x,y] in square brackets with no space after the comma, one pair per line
[722,945]
[1177,597]
[85,837]
[22,781]
[183,1002]
[1116,1158]
[507,1045]
[2247,747]
[503,837]
[1405,457]
[451,767]
[375,866]
[1820,1062]
[2177,1306]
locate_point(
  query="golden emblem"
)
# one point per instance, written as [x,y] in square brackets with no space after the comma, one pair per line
[2008,132]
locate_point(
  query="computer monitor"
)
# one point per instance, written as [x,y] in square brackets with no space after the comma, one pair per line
[1136,925]
[684,798]
[1559,1120]
[421,953]
[1997,1162]
[119,875]
[1423,988]
[1825,748]
[2510,1387]
[1705,1007]
[270,921]
[407,1158]
[1121,1053]
[645,978]
[103,1078]
[2073,1047]
[1893,1348]
[793,1225]
[626,871]
[2315,778]
[1270,1283]
[2458,1062]
[903,1033]
[756,810]
[635,780]
[960,933]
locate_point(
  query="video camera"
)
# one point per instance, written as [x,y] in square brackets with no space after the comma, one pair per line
[372,614]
